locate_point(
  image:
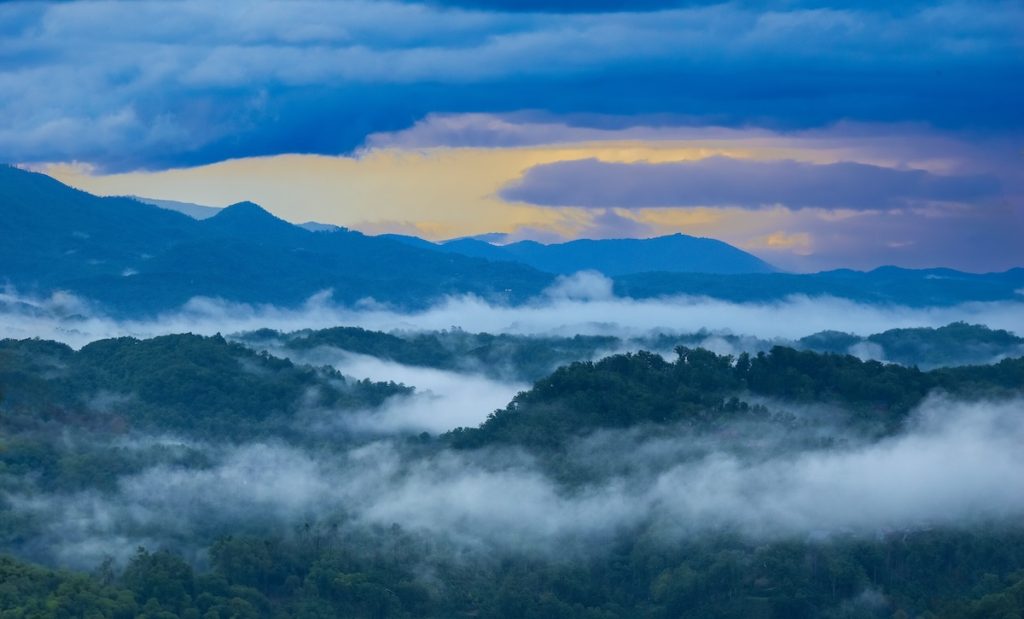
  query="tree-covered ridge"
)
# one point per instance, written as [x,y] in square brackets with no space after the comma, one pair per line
[531,357]
[184,383]
[701,388]
[957,343]
[517,356]
[319,574]
[334,565]
[61,410]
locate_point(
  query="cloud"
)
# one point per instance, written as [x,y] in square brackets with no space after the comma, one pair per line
[534,128]
[722,181]
[568,6]
[423,184]
[443,400]
[580,304]
[949,468]
[582,286]
[188,83]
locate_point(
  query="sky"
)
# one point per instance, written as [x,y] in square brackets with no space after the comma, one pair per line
[816,135]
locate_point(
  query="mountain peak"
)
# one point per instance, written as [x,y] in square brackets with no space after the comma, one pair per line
[252,220]
[245,209]
[247,214]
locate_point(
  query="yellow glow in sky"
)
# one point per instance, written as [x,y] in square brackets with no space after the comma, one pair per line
[436,193]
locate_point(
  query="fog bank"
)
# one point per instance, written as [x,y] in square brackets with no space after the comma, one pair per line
[443,400]
[956,465]
[581,304]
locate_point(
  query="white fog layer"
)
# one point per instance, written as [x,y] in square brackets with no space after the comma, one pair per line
[954,466]
[443,400]
[581,304]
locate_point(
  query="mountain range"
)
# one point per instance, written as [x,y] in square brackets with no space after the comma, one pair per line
[676,253]
[137,258]
[133,258]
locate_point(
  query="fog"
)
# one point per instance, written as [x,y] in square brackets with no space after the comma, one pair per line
[580,304]
[443,400]
[957,464]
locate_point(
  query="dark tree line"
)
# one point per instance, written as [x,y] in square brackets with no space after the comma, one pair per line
[704,389]
[210,387]
[933,575]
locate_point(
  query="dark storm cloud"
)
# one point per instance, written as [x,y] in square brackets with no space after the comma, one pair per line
[623,6]
[153,85]
[721,181]
[566,6]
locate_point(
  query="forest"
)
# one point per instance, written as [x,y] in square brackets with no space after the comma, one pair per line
[213,477]
[531,357]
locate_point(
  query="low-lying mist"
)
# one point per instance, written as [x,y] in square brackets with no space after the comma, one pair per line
[442,400]
[581,304]
[956,464]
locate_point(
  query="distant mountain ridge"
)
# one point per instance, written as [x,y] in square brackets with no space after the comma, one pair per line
[675,253]
[137,259]
[201,211]
[195,211]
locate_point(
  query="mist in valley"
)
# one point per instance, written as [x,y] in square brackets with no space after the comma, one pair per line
[382,474]
[953,466]
[579,304]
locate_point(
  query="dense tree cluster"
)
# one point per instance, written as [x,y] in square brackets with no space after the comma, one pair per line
[530,357]
[185,383]
[701,388]
[930,574]
[502,355]
[957,343]
[63,409]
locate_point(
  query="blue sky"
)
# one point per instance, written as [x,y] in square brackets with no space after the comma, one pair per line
[103,92]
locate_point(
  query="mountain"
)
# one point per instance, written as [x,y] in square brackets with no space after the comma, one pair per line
[676,253]
[957,343]
[254,223]
[137,258]
[199,211]
[316,226]
[414,241]
[884,285]
[195,211]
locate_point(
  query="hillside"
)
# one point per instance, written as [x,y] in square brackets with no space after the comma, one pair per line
[705,390]
[170,512]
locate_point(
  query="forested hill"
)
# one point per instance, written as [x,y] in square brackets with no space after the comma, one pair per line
[957,343]
[204,387]
[703,389]
[531,357]
[935,574]
[520,357]
[208,385]
[89,429]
